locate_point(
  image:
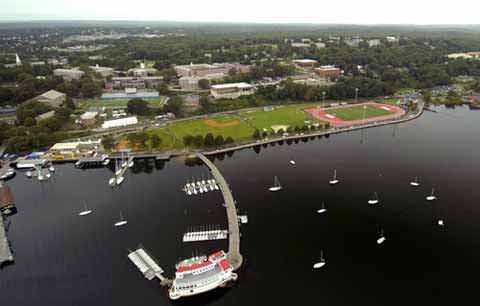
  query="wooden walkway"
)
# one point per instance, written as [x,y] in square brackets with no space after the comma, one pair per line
[233,254]
[5,253]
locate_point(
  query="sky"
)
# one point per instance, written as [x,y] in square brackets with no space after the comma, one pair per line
[259,11]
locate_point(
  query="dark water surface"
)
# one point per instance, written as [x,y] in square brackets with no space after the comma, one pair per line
[63,259]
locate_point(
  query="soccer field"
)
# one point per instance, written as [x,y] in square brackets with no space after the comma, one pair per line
[357,112]
[120,103]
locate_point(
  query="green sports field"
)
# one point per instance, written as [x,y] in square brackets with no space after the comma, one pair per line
[356,112]
[119,103]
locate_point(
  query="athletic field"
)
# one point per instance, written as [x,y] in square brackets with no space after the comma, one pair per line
[347,115]
[119,103]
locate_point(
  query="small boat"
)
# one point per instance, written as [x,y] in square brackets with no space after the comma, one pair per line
[382,238]
[441,223]
[85,212]
[111,181]
[334,180]
[78,164]
[374,200]
[29,174]
[124,162]
[292,162]
[119,180]
[8,174]
[51,168]
[130,164]
[195,190]
[431,197]
[321,263]
[117,169]
[106,162]
[415,182]
[48,175]
[276,185]
[121,222]
[40,177]
[322,210]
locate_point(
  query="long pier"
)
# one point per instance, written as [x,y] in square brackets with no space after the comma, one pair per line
[5,253]
[233,254]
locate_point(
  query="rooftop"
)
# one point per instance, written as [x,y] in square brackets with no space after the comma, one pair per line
[231,85]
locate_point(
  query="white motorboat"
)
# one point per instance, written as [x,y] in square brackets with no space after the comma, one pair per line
[374,200]
[29,174]
[195,190]
[121,222]
[48,175]
[321,263]
[276,185]
[78,164]
[322,210]
[292,162]
[334,180]
[119,180]
[51,168]
[432,196]
[441,223]
[106,162]
[111,181]
[382,238]
[415,182]
[118,170]
[130,164]
[8,174]
[85,212]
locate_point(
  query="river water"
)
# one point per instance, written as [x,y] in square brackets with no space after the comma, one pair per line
[63,259]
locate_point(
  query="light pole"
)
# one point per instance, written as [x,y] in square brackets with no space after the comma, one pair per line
[364,113]
[323,93]
[356,95]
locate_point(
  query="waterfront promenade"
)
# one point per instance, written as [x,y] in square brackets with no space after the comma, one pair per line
[5,253]
[233,254]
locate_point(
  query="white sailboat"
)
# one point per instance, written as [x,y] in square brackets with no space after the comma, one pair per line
[29,174]
[276,185]
[441,223]
[85,212]
[124,162]
[292,162]
[321,263]
[119,180]
[374,200]
[117,169]
[106,162]
[415,182]
[121,222]
[431,197]
[130,162]
[334,180]
[322,210]
[51,168]
[382,238]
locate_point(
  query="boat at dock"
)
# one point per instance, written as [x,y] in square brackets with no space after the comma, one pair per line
[106,162]
[276,185]
[200,274]
[8,174]
[119,180]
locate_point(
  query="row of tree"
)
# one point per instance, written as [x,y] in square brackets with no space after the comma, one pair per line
[208,141]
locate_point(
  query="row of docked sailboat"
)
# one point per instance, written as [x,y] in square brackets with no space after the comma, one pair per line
[200,186]
[125,163]
[42,174]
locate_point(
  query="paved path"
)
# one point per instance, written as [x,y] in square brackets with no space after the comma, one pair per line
[5,253]
[233,254]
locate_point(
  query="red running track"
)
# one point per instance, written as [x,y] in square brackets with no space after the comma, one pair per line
[321,114]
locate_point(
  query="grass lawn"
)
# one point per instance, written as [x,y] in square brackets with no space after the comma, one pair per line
[117,103]
[356,112]
[289,115]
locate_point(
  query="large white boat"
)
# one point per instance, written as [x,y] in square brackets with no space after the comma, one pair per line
[276,185]
[199,274]
[334,180]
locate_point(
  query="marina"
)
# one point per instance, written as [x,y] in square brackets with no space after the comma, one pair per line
[205,235]
[146,264]
[200,186]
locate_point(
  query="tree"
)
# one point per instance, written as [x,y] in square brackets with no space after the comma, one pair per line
[209,140]
[205,103]
[142,138]
[264,134]
[155,141]
[163,89]
[256,134]
[280,132]
[219,140]
[198,140]
[188,140]
[132,139]
[204,84]
[138,106]
[108,141]
[174,105]
[229,140]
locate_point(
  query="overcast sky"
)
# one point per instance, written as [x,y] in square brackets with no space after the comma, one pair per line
[267,11]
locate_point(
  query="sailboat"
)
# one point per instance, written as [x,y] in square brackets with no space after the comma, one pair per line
[415,182]
[321,211]
[431,197]
[382,238]
[117,169]
[106,162]
[51,168]
[334,180]
[130,162]
[119,180]
[85,212]
[29,174]
[321,263]
[441,223]
[121,222]
[292,162]
[124,162]
[276,185]
[374,200]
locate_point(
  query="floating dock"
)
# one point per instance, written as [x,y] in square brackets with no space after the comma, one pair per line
[146,264]
[7,203]
[205,235]
[5,253]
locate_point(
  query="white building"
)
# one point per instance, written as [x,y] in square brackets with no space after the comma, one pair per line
[391,39]
[69,74]
[103,71]
[374,42]
[231,91]
[189,83]
[120,122]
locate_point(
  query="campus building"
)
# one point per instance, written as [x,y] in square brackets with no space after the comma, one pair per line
[305,63]
[231,91]
[328,72]
[103,71]
[68,150]
[119,122]
[69,74]
[140,82]
[51,98]
[216,70]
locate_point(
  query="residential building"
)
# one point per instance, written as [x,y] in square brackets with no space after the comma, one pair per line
[69,74]
[119,122]
[52,98]
[231,91]
[305,63]
[328,72]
